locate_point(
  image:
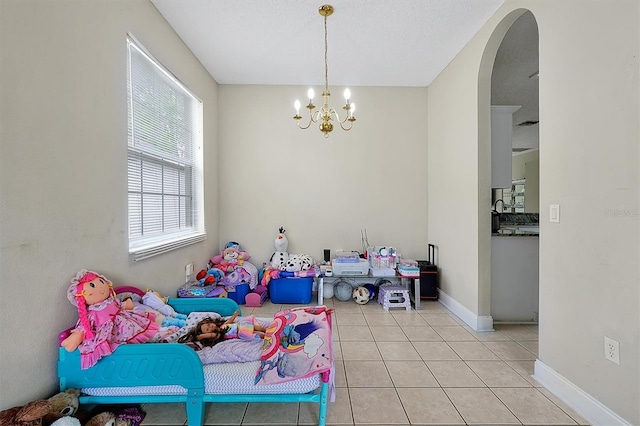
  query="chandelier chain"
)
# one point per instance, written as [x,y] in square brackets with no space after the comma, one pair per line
[326,62]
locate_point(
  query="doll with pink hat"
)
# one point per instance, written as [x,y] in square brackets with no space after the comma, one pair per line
[104,324]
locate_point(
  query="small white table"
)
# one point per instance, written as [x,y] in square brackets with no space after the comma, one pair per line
[415,297]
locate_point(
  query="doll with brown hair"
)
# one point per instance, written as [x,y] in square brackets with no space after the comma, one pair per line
[211,331]
[103,323]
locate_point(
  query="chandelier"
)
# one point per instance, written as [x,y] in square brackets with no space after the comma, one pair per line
[326,114]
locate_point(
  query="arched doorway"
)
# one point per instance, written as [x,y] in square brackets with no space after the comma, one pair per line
[507,76]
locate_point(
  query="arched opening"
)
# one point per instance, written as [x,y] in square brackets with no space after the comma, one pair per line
[508,79]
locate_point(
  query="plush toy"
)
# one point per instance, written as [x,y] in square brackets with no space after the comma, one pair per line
[280,257]
[30,414]
[209,276]
[279,260]
[237,276]
[62,404]
[299,262]
[230,258]
[282,243]
[106,418]
[103,324]
[171,317]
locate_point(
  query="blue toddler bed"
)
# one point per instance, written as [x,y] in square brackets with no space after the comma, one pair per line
[173,372]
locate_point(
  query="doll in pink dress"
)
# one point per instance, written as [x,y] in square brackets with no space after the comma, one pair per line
[104,323]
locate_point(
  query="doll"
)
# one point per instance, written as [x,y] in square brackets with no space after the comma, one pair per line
[211,331]
[103,323]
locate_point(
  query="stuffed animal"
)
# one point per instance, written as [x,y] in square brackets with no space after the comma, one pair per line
[103,324]
[30,414]
[279,260]
[209,276]
[153,300]
[230,258]
[280,257]
[282,243]
[62,404]
[237,276]
[299,262]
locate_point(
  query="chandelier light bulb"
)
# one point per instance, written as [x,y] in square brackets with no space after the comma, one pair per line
[296,105]
[347,95]
[311,94]
[352,109]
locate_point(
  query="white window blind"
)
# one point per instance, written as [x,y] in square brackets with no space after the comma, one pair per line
[164,158]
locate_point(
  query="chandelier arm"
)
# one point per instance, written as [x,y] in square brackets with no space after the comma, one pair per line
[313,118]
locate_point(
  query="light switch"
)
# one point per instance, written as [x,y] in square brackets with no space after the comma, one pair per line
[554,213]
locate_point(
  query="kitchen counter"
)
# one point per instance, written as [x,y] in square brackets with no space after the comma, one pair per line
[515,233]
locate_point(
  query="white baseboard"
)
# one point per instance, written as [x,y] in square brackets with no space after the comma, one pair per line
[478,323]
[581,402]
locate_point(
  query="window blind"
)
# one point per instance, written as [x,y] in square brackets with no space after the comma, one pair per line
[164,158]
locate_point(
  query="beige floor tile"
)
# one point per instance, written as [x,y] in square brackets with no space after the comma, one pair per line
[337,350]
[421,334]
[346,307]
[517,332]
[367,374]
[510,351]
[480,406]
[271,413]
[360,351]
[532,407]
[432,306]
[454,333]
[498,374]
[165,414]
[377,406]
[349,318]
[472,351]
[454,374]
[388,333]
[489,336]
[230,413]
[382,318]
[411,374]
[435,351]
[525,369]
[338,412]
[429,407]
[564,407]
[439,319]
[355,333]
[340,379]
[412,318]
[394,351]
[531,345]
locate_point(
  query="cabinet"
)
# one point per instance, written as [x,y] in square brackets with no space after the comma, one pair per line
[513,197]
[501,145]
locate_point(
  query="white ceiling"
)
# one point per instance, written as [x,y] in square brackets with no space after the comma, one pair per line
[371,42]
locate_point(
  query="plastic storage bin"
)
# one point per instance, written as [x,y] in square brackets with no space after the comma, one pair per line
[238,296]
[291,290]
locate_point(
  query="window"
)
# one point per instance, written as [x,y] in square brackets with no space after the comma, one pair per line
[164,158]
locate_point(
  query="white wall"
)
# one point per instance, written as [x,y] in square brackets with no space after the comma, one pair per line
[63,170]
[589,158]
[323,191]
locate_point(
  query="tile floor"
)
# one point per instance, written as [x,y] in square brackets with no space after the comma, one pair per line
[420,367]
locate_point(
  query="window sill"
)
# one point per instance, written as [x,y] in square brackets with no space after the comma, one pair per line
[148,250]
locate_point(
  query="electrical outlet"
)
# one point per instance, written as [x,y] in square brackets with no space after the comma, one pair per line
[188,271]
[612,350]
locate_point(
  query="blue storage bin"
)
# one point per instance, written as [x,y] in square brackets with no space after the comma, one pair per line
[238,296]
[291,290]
